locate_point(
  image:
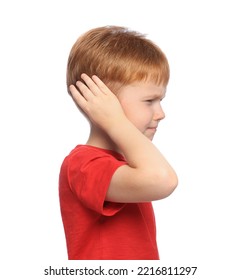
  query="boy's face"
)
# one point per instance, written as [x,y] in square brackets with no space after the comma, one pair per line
[141,103]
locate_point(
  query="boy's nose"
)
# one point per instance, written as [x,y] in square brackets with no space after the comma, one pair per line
[159,114]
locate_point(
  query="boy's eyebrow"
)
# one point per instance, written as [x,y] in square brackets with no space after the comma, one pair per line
[154,95]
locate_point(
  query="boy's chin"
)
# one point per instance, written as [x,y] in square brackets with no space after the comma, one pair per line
[150,137]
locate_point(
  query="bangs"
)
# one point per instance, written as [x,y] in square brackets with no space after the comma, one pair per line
[129,70]
[146,72]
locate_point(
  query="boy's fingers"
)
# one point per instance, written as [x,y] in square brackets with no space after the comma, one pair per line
[84,90]
[92,86]
[78,98]
[100,84]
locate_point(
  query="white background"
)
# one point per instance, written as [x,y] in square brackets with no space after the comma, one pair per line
[199,224]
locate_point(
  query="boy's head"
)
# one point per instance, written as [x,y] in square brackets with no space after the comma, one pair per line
[118,56]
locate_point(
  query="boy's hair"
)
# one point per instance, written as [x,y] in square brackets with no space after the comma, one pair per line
[118,56]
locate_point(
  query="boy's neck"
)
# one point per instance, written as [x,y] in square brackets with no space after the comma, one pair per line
[98,138]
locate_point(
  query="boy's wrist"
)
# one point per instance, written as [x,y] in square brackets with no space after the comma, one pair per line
[121,131]
[115,125]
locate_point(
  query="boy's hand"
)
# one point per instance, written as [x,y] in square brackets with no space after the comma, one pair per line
[97,101]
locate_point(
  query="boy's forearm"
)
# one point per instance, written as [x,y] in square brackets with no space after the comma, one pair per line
[138,150]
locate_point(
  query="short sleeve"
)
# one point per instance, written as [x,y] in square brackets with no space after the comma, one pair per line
[90,172]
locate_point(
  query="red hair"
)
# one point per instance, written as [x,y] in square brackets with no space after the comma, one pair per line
[117,55]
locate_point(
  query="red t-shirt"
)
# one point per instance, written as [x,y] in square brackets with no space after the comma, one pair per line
[96,229]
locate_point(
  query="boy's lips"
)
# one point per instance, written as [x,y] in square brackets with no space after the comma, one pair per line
[153,128]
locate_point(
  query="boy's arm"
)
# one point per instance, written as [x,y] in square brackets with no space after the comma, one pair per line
[148,176]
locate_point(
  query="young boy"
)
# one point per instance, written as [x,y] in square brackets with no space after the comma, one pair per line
[117,78]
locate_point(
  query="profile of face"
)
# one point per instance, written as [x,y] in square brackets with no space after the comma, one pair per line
[141,102]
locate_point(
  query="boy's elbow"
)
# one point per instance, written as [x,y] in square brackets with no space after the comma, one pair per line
[172,182]
[165,184]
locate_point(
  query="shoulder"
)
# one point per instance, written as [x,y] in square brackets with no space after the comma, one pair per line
[84,158]
[86,152]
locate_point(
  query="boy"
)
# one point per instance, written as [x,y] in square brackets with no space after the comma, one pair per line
[117,78]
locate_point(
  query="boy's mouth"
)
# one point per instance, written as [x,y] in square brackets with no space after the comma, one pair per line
[152,128]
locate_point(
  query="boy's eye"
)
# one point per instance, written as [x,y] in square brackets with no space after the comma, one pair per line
[152,100]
